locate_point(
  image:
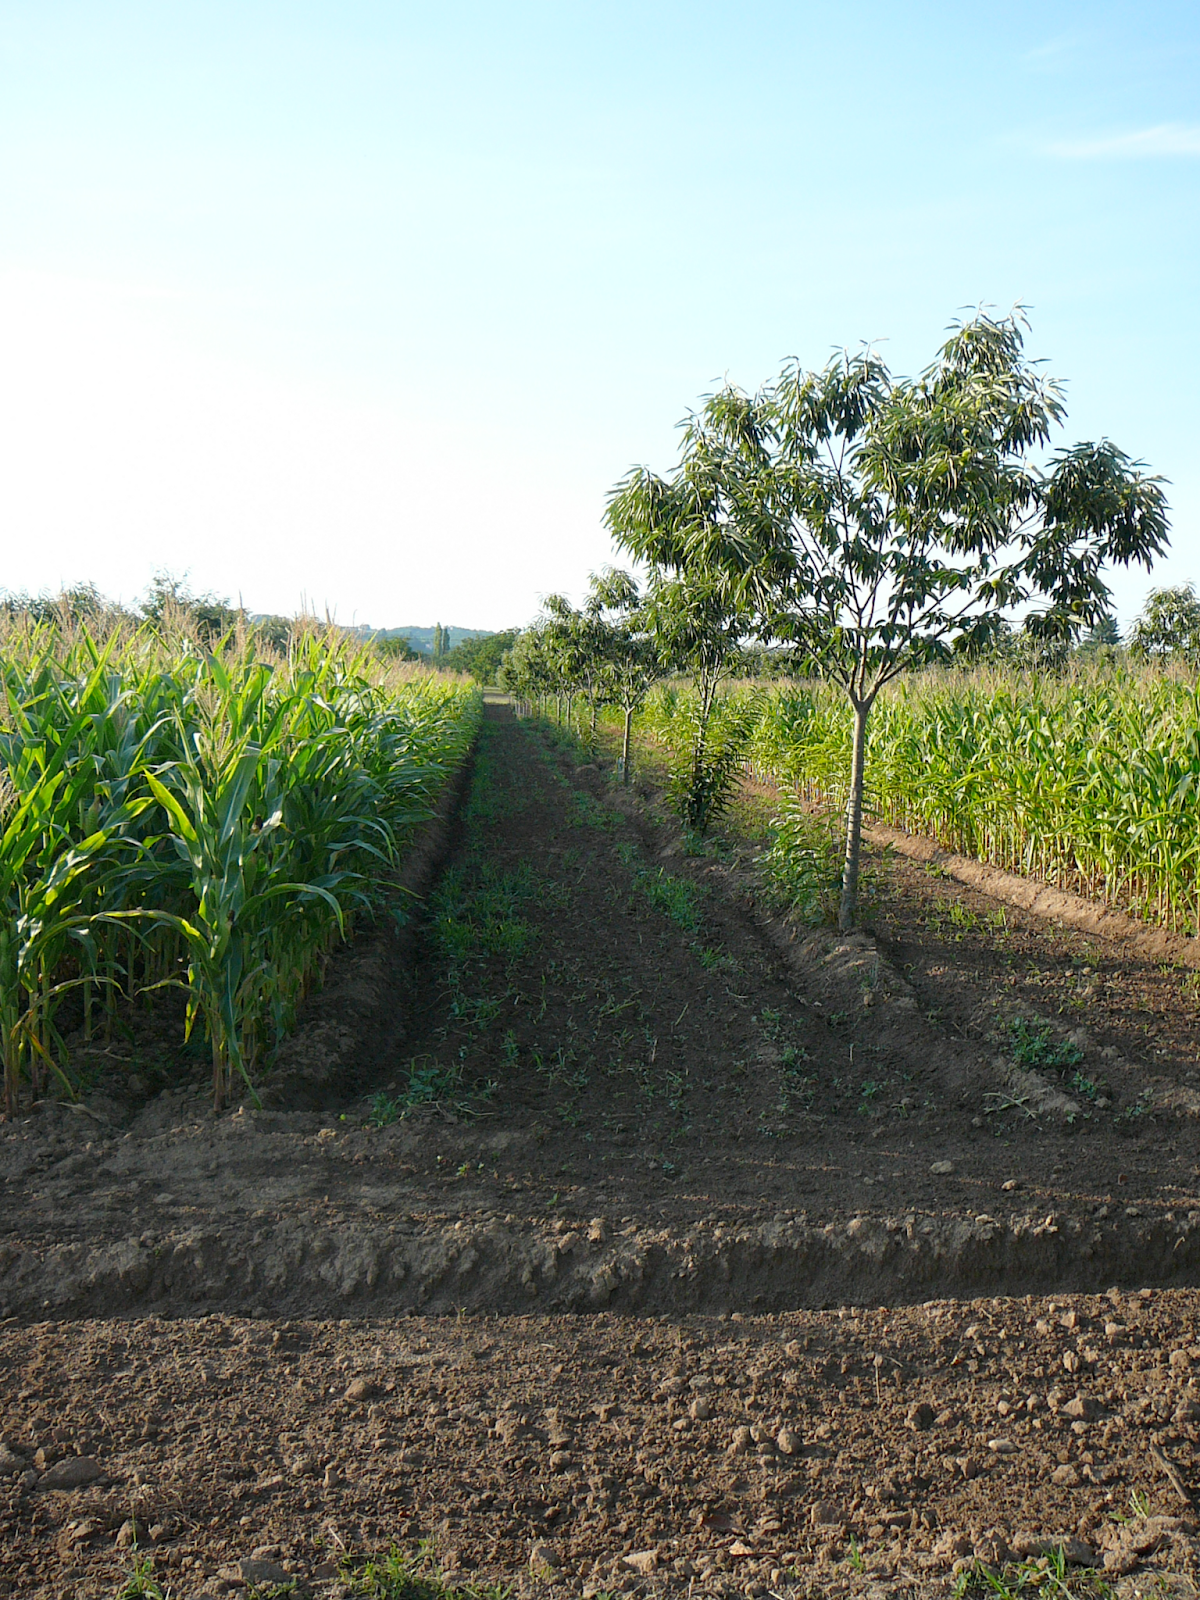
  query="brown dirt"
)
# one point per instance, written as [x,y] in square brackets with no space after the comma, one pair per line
[848,1452]
[685,1115]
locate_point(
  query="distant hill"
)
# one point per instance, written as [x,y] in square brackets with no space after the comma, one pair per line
[422,638]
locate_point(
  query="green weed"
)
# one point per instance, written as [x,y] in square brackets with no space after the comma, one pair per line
[430,1083]
[141,1584]
[1140,1108]
[1043,1578]
[1034,1046]
[384,1110]
[399,1577]
[587,812]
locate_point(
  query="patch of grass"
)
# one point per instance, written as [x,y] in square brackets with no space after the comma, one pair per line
[488,801]
[587,812]
[475,911]
[678,898]
[1043,1578]
[675,897]
[1034,1046]
[430,1082]
[717,960]
[396,1576]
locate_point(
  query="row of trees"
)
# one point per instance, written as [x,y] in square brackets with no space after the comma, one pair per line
[875,524]
[608,653]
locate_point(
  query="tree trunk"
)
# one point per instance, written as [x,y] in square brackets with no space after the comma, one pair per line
[625,744]
[848,910]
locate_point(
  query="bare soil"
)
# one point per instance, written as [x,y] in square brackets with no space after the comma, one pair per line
[650,1096]
[855,1452]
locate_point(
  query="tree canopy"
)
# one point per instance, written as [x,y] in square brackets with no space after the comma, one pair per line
[1169,625]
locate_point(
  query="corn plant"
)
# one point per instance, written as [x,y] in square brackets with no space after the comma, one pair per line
[211,819]
[1091,782]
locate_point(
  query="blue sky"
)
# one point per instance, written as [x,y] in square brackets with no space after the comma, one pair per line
[367,305]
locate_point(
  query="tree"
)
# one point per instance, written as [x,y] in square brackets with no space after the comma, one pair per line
[481,657]
[530,669]
[1104,636]
[1169,625]
[711,578]
[632,662]
[441,641]
[170,596]
[396,647]
[881,522]
[1018,649]
[80,604]
[576,643]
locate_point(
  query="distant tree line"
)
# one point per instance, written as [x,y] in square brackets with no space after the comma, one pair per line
[168,598]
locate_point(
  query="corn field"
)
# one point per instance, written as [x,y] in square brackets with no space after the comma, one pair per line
[207,820]
[1091,783]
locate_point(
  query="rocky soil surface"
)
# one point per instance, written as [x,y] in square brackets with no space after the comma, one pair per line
[850,1451]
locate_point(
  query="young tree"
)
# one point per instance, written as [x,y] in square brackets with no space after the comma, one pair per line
[712,575]
[530,670]
[1169,625]
[632,662]
[890,520]
[576,641]
[917,513]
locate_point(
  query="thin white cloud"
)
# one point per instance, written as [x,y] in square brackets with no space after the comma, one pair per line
[1166,139]
[1053,50]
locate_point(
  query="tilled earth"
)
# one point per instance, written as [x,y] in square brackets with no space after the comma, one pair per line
[617,1083]
[812,1453]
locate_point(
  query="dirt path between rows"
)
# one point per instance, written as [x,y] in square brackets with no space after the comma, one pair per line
[614,1085]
